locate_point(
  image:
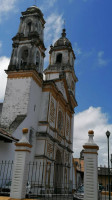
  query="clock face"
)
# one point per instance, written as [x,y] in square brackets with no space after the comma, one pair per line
[60,121]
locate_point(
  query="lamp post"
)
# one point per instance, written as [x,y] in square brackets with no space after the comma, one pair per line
[108,135]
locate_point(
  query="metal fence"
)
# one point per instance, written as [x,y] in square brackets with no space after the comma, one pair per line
[52,181]
[49,181]
[45,180]
[5,177]
[103,178]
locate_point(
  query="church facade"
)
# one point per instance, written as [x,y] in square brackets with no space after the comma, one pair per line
[41,100]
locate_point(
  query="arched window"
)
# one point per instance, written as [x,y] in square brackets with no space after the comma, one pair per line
[29,27]
[24,57]
[60,121]
[37,59]
[59,58]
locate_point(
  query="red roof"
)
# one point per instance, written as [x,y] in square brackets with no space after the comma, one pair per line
[4,134]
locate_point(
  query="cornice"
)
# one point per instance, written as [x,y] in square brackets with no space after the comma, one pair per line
[91,147]
[47,135]
[25,74]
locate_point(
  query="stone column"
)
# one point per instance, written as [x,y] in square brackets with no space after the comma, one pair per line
[90,169]
[20,170]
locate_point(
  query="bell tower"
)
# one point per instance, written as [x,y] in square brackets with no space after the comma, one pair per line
[28,45]
[61,62]
[25,70]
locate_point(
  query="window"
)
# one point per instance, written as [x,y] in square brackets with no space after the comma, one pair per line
[59,58]
[24,58]
[37,60]
[29,27]
[52,111]
[60,121]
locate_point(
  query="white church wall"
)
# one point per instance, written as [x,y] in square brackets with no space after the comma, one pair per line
[69,79]
[16,100]
[52,76]
[52,58]
[33,99]
[71,59]
[44,106]
[42,128]
[31,121]
[6,151]
[40,146]
[34,104]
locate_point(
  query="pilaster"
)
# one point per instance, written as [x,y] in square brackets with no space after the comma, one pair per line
[20,170]
[91,169]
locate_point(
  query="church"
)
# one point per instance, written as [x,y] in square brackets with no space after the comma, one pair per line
[42,100]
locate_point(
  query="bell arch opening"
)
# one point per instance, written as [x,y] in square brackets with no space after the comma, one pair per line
[23,57]
[59,58]
[29,25]
[37,60]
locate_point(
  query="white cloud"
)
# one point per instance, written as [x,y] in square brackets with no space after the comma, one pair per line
[53,27]
[53,30]
[4,61]
[47,5]
[6,6]
[70,1]
[92,119]
[101,60]
[77,49]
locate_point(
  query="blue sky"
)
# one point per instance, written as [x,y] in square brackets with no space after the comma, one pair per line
[88,27]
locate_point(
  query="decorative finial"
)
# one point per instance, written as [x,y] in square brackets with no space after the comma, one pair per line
[25,130]
[51,46]
[63,33]
[91,132]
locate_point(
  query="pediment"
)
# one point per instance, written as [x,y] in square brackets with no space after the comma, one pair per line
[62,87]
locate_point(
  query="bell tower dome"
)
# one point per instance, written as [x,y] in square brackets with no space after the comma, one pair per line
[28,45]
[61,62]
[62,53]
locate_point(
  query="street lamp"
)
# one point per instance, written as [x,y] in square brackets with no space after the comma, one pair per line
[108,135]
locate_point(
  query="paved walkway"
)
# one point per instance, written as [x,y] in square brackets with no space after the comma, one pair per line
[9,198]
[47,198]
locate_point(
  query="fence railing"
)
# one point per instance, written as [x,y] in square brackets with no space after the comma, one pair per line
[50,181]
[103,186]
[45,180]
[5,177]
